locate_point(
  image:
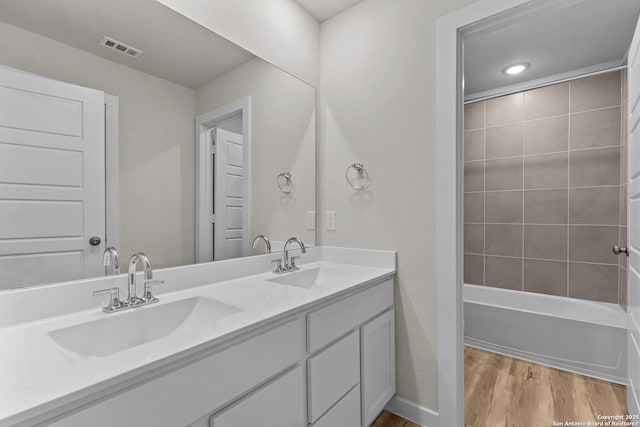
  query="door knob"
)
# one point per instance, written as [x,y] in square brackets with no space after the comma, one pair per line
[618,250]
[94,241]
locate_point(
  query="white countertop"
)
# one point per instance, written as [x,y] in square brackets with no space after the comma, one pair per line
[37,375]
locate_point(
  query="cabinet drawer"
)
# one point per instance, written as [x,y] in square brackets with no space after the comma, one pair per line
[346,413]
[328,323]
[201,387]
[332,373]
[278,404]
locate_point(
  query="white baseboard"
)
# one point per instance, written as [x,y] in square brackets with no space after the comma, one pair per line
[413,412]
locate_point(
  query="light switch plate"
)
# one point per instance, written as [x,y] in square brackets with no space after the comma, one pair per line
[330,221]
[311,220]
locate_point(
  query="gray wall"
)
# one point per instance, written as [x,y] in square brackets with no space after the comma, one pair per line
[543,189]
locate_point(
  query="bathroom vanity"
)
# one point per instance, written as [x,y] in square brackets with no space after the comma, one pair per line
[229,344]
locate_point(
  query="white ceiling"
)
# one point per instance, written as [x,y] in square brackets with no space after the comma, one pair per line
[325,9]
[578,36]
[174,48]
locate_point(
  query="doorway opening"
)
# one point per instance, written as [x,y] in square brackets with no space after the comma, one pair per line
[223,182]
[491,20]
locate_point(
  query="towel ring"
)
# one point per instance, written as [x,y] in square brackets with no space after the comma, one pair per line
[361,174]
[285,183]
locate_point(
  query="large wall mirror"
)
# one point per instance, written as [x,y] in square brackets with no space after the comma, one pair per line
[125,124]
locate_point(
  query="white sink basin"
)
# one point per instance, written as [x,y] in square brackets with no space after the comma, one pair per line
[313,277]
[119,331]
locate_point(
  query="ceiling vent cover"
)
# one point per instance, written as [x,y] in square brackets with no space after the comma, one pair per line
[120,47]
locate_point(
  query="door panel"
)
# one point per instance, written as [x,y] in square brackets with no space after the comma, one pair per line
[230,235]
[633,242]
[52,180]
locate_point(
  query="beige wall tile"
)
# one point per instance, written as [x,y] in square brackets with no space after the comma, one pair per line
[474,176]
[592,129]
[474,116]
[546,206]
[503,239]
[592,243]
[596,205]
[474,145]
[474,269]
[593,282]
[547,101]
[504,141]
[503,207]
[602,90]
[545,242]
[545,277]
[474,238]
[503,273]
[473,207]
[546,171]
[503,174]
[505,109]
[594,167]
[546,135]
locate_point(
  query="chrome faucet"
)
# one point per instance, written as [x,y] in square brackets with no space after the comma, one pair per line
[111,259]
[267,243]
[290,263]
[115,303]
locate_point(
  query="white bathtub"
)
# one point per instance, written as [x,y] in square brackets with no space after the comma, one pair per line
[576,335]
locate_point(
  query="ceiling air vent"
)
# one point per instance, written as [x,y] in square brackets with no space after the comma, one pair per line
[120,47]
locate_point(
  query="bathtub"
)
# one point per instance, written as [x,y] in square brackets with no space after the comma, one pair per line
[576,335]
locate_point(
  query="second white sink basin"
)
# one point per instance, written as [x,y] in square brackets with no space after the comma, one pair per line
[319,276]
[117,332]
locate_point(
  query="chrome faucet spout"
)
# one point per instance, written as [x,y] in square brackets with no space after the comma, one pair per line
[132,298]
[111,259]
[267,243]
[289,264]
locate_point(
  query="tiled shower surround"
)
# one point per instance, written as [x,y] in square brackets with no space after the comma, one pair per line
[544,200]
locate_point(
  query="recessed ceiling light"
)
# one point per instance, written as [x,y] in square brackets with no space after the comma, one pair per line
[516,68]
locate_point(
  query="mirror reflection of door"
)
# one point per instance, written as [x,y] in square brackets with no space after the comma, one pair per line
[229,177]
[52,180]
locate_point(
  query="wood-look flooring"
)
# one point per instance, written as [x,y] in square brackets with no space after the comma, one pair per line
[501,391]
[387,419]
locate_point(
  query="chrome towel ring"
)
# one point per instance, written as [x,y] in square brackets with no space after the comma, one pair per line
[285,183]
[360,180]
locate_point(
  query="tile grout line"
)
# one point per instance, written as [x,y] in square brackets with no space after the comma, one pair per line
[547,259]
[542,118]
[546,153]
[568,186]
[484,194]
[524,94]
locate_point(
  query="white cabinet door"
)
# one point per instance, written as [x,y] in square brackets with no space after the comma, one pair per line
[279,404]
[378,381]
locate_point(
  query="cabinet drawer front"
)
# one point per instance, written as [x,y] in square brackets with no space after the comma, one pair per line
[278,404]
[200,388]
[328,323]
[346,413]
[332,373]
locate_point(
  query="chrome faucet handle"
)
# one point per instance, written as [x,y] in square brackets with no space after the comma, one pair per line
[114,299]
[148,286]
[278,269]
[292,265]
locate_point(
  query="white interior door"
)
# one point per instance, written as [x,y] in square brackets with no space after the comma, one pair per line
[633,242]
[230,230]
[52,180]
